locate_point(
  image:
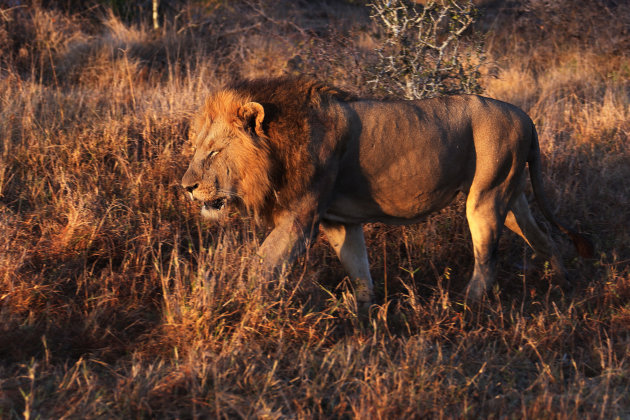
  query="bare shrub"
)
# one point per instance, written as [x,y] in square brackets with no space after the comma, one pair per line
[426,51]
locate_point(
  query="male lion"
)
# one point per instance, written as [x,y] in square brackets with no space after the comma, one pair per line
[299,154]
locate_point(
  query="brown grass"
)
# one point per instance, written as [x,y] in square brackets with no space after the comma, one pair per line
[116,301]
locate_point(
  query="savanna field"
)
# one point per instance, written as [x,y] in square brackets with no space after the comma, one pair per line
[118,301]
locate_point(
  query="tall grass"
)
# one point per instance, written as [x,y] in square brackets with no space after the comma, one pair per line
[116,300]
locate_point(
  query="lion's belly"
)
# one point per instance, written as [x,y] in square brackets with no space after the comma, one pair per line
[397,189]
[351,208]
[391,195]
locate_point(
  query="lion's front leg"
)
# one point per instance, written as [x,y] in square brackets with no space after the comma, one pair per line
[288,240]
[349,244]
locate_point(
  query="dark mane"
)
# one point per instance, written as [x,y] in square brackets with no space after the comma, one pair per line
[289,99]
[290,92]
[292,105]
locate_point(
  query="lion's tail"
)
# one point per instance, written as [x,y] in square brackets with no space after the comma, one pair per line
[582,245]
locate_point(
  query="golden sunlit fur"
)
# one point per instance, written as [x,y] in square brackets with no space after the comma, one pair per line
[250,159]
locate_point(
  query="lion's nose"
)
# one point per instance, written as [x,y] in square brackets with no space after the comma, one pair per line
[191,188]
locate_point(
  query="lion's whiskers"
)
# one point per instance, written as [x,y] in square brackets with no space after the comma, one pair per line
[229,193]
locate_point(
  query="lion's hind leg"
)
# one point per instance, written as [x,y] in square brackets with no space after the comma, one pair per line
[520,220]
[485,214]
[348,242]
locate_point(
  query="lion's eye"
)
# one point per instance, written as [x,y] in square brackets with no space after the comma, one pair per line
[213,154]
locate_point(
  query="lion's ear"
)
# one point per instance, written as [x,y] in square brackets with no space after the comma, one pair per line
[251,115]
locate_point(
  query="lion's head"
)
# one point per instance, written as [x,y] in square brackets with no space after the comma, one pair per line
[231,163]
[253,145]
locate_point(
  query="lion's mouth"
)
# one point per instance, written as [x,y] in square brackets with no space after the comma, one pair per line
[214,210]
[216,204]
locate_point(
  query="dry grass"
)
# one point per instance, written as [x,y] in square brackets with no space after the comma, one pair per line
[117,301]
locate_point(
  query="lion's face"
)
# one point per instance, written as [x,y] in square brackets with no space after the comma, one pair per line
[210,178]
[227,165]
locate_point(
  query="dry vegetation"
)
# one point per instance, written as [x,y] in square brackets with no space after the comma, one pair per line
[117,301]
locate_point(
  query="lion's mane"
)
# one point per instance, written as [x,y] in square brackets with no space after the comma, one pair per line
[277,164]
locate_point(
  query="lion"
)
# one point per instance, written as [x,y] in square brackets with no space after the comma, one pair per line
[299,155]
